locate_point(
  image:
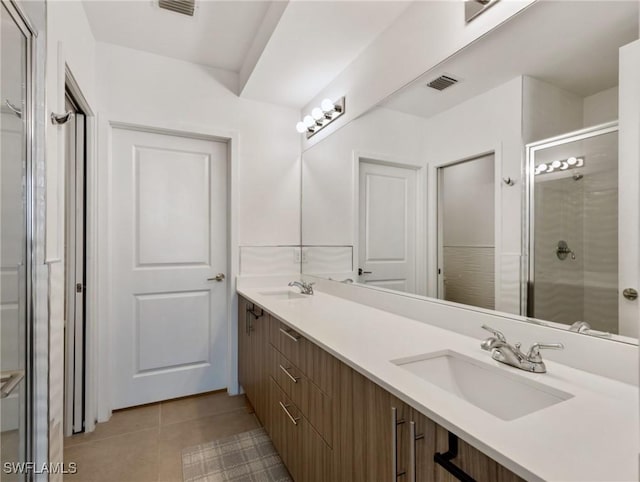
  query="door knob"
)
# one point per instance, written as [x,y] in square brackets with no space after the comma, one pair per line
[630,294]
[218,277]
[361,272]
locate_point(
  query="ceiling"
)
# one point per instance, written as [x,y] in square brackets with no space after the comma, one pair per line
[218,35]
[572,45]
[313,42]
[285,52]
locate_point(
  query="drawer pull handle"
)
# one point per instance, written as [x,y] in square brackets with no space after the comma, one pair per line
[288,333]
[413,438]
[288,373]
[394,444]
[445,460]
[293,419]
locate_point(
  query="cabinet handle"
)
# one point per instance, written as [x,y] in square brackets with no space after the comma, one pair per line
[286,371]
[394,444]
[249,322]
[445,460]
[413,438]
[293,419]
[288,333]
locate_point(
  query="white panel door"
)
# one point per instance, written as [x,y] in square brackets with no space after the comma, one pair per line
[387,239]
[168,236]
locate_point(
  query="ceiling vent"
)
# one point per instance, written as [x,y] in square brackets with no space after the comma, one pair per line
[442,82]
[185,7]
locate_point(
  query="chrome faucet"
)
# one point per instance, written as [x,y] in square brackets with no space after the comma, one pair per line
[305,288]
[504,352]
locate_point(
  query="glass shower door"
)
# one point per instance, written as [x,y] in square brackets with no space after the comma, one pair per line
[574,232]
[13,245]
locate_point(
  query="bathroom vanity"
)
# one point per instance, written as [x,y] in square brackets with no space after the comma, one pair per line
[348,392]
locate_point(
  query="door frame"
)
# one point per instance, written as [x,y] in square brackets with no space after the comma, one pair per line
[435,219]
[70,84]
[359,156]
[527,270]
[102,176]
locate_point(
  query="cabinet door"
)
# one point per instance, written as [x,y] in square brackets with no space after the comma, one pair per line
[422,444]
[243,343]
[287,431]
[473,462]
[259,346]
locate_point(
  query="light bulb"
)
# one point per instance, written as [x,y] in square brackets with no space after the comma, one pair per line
[551,169]
[327,105]
[556,164]
[301,127]
[580,162]
[317,113]
[565,166]
[572,161]
[542,167]
[308,121]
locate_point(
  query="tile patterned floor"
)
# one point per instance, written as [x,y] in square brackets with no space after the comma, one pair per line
[144,444]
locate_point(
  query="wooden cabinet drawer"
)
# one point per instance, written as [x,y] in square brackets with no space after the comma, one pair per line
[306,455]
[289,342]
[286,432]
[290,379]
[316,405]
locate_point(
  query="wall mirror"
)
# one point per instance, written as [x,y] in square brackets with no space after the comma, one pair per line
[492,180]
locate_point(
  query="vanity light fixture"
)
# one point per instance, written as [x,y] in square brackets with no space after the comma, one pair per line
[559,165]
[321,117]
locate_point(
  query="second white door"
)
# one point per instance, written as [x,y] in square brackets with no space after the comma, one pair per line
[168,315]
[387,225]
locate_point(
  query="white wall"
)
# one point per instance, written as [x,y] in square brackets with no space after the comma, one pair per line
[69,42]
[490,122]
[629,199]
[548,110]
[601,107]
[146,89]
[150,90]
[328,176]
[426,34]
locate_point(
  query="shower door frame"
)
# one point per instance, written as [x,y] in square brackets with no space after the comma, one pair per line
[527,271]
[26,426]
[36,304]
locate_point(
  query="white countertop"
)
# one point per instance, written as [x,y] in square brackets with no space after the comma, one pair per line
[593,436]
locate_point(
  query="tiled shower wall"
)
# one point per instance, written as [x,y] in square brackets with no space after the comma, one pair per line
[584,215]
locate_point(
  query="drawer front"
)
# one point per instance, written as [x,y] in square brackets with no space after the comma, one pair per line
[287,431]
[290,379]
[289,342]
[316,406]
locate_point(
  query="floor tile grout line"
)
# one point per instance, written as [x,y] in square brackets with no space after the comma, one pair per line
[159,427]
[109,437]
[214,414]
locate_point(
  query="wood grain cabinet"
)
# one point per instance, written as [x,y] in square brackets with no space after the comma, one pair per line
[330,423]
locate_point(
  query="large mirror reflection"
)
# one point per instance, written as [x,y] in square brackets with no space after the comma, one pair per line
[493,180]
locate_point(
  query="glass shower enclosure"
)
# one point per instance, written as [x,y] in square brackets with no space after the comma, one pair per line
[573,229]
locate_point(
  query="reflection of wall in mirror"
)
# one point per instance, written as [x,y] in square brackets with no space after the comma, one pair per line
[502,119]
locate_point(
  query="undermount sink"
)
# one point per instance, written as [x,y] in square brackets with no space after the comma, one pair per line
[493,389]
[284,295]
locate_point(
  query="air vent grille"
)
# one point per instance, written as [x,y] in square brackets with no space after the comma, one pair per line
[185,7]
[442,82]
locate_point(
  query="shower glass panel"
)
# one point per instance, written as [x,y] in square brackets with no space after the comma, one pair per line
[14,117]
[574,231]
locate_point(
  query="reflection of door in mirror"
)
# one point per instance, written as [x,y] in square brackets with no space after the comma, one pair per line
[387,226]
[466,232]
[574,232]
